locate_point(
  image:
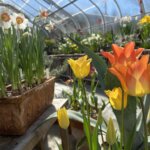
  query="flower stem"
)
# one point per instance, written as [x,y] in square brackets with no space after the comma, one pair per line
[122,122]
[85,98]
[65,139]
[145,128]
[101,134]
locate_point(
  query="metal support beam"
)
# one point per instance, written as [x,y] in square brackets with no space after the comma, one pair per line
[77,26]
[85,15]
[118,8]
[104,23]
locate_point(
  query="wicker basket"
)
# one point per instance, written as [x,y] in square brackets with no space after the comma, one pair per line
[17,113]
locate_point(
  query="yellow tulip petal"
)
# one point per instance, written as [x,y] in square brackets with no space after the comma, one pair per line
[80,67]
[115,98]
[63,118]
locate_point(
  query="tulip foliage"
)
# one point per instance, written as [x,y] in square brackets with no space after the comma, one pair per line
[134,75]
[132,69]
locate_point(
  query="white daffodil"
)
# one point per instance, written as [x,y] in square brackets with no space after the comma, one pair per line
[19,21]
[5,19]
[43,14]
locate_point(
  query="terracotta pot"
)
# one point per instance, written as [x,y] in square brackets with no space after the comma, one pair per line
[17,113]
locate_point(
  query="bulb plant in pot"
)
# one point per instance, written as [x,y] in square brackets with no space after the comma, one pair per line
[25,92]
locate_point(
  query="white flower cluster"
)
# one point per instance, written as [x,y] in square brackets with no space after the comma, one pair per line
[126,19]
[68,44]
[7,19]
[96,38]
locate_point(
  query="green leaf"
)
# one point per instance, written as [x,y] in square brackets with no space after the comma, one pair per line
[129,117]
[98,62]
[130,139]
[111,81]
[87,131]
[139,138]
[59,145]
[81,143]
[95,144]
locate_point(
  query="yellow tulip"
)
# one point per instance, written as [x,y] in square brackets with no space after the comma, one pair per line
[63,118]
[80,67]
[115,98]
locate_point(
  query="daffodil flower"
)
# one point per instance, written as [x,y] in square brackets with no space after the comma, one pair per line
[19,21]
[5,19]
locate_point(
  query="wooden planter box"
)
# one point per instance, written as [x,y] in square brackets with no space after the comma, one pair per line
[17,113]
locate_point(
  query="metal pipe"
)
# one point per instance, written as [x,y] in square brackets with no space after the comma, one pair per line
[100,13]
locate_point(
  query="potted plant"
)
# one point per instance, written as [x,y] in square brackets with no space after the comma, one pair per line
[25,92]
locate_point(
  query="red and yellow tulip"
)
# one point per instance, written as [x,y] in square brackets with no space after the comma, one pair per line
[135,78]
[133,73]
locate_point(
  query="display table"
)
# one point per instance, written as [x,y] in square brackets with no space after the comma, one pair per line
[36,135]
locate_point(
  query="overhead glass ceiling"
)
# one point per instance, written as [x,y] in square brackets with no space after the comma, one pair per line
[74,15]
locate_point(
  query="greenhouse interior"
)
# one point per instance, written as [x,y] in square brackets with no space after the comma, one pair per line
[74,75]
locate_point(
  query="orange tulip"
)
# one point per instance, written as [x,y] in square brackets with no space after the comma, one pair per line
[122,55]
[135,78]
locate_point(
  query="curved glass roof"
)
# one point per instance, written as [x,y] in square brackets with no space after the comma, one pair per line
[80,15]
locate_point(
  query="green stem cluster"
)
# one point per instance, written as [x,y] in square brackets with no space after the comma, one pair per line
[21,58]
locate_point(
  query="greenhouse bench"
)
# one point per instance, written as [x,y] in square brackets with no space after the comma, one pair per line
[36,135]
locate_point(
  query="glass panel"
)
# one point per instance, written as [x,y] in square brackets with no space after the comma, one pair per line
[61,2]
[84,5]
[94,16]
[77,15]
[20,5]
[146,5]
[109,9]
[130,8]
[41,5]
[72,10]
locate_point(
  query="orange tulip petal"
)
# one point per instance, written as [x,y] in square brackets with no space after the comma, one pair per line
[109,56]
[139,66]
[128,49]
[138,52]
[120,77]
[117,50]
[137,79]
